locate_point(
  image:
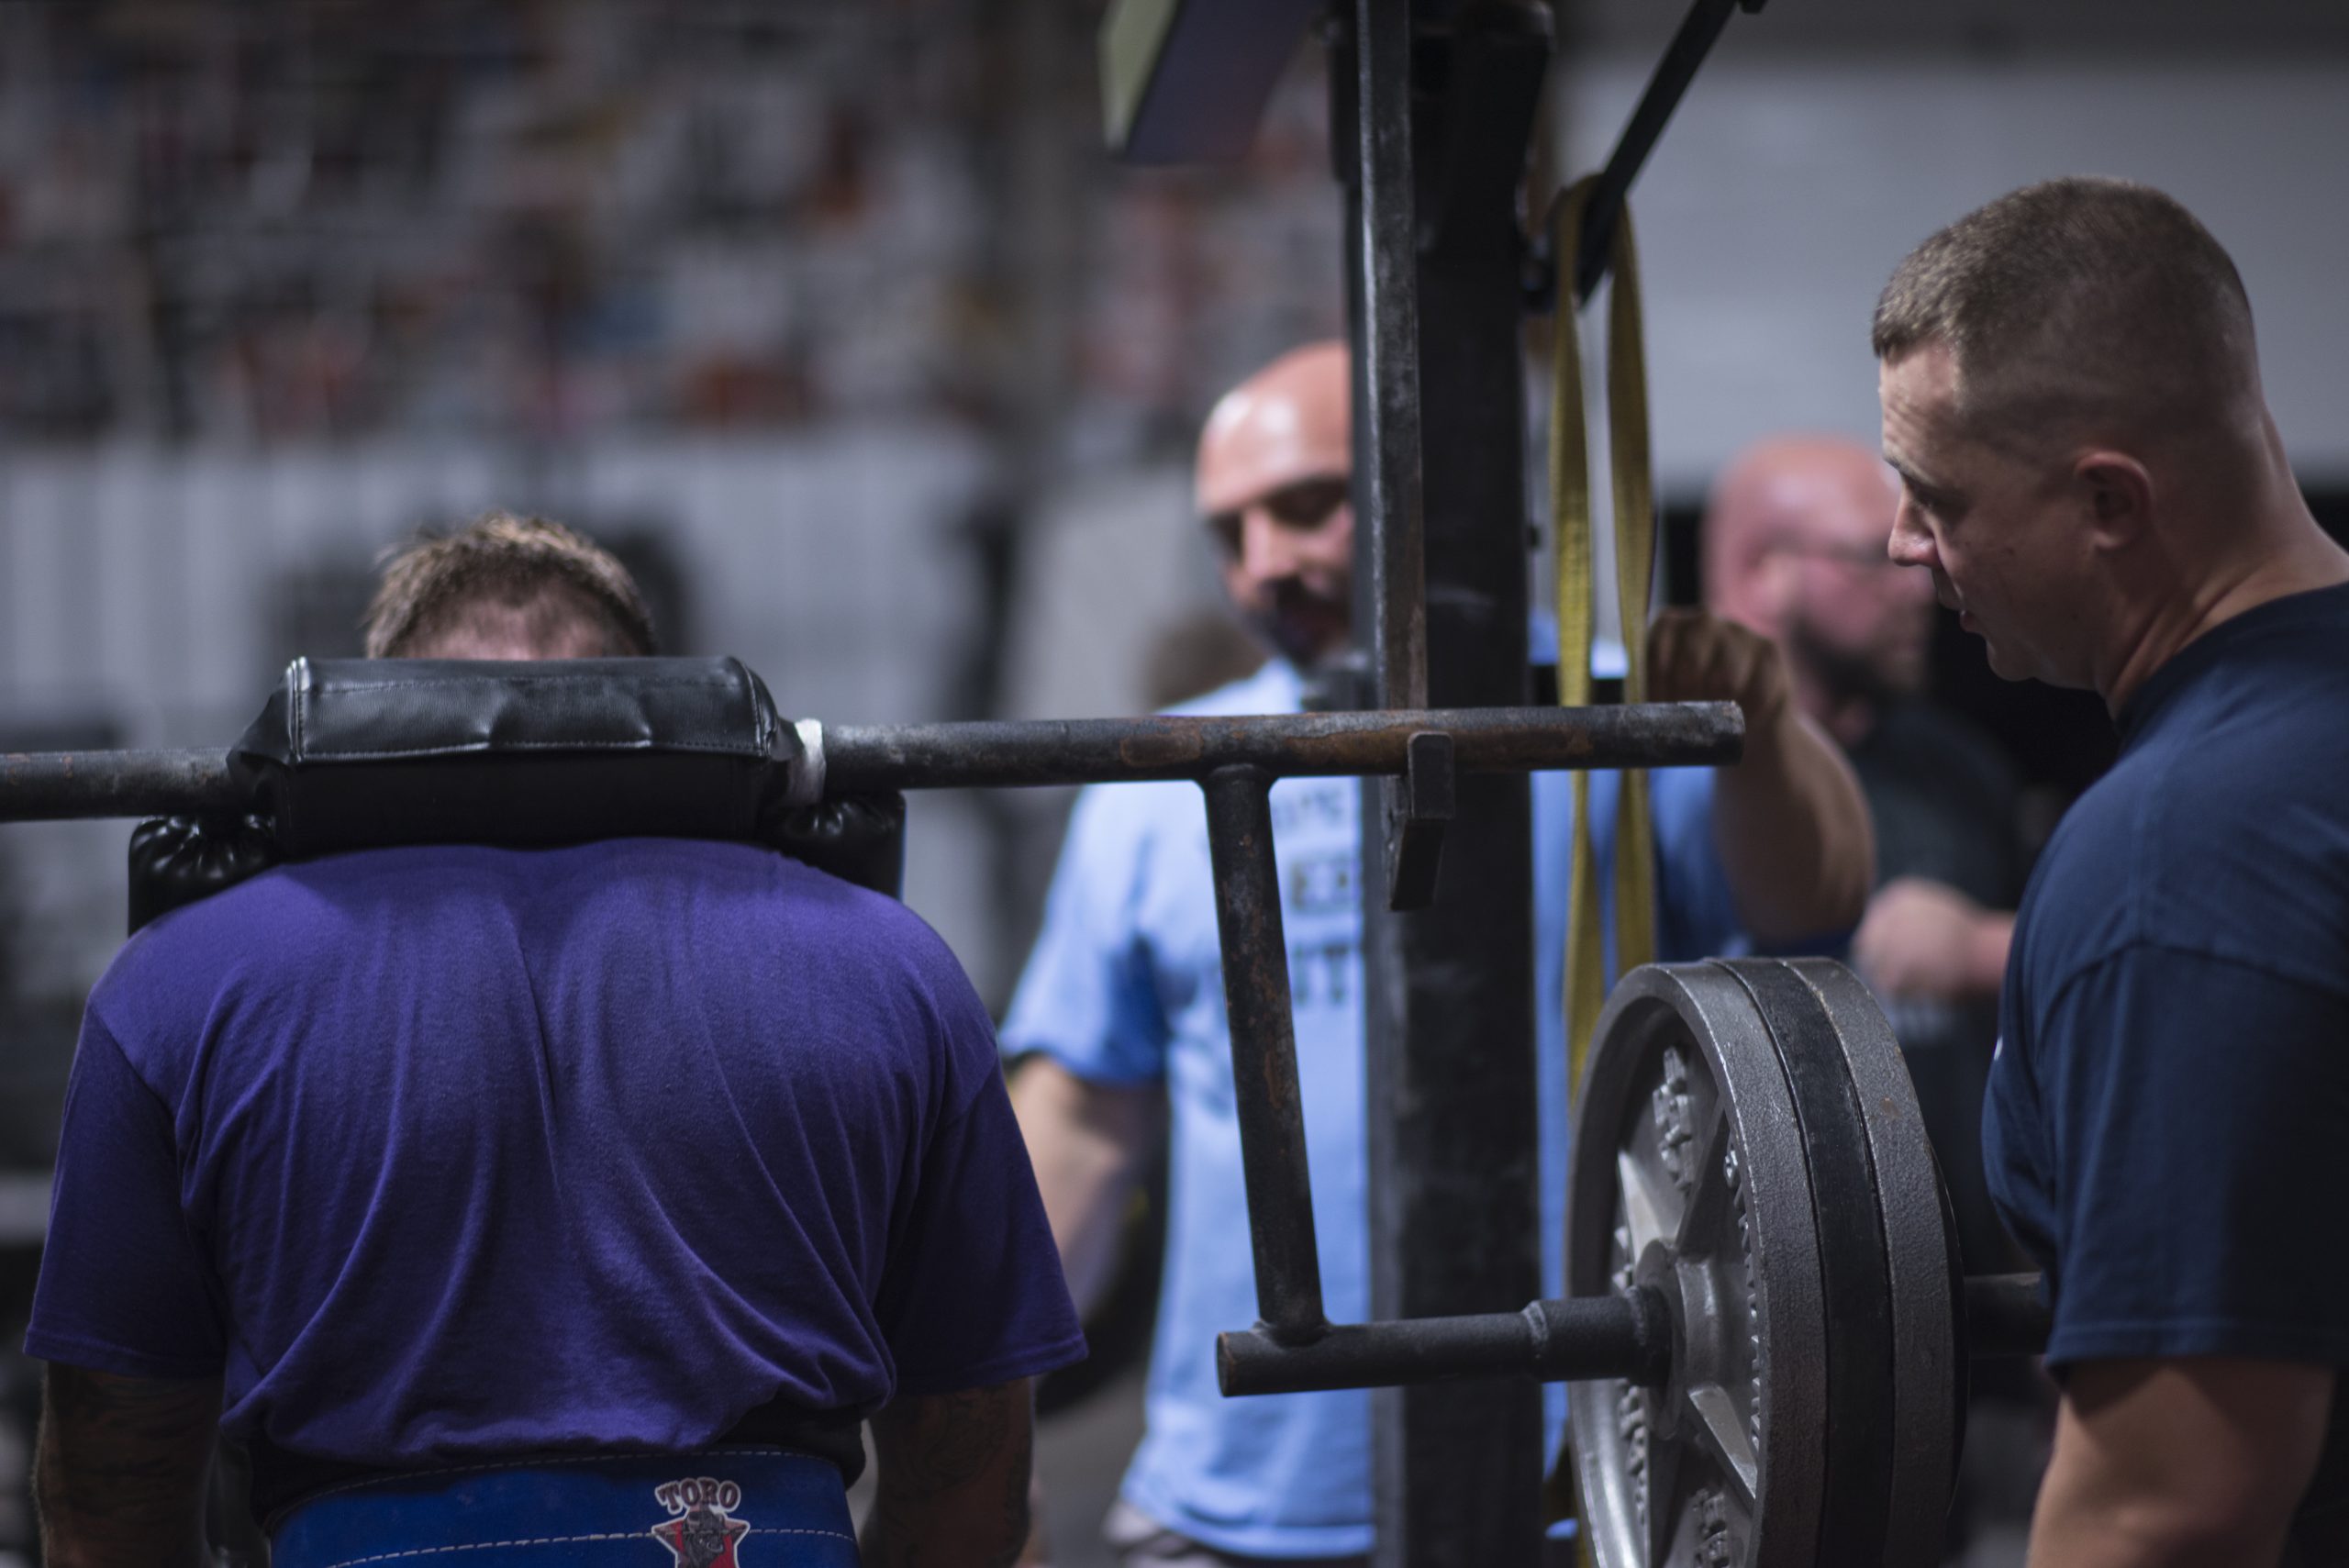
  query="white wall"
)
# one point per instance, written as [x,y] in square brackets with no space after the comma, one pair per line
[136,579]
[1108,563]
[1785,190]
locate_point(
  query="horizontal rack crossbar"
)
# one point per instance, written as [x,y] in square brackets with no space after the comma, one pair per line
[865,758]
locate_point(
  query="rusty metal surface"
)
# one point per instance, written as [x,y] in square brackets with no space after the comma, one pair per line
[1013,753]
[54,787]
[861,758]
[1383,318]
[1626,1335]
[1270,1107]
[1434,265]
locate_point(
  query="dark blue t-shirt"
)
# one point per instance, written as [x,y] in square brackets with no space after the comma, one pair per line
[2170,1104]
[443,1152]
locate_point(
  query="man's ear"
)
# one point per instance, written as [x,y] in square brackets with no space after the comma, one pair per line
[2116,497]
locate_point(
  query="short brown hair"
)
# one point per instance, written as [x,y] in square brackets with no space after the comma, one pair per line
[432,587]
[2078,297]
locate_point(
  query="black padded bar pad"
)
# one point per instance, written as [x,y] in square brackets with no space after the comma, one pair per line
[355,753]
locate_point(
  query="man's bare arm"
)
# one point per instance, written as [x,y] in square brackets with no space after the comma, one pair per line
[1088,1143]
[2173,1462]
[122,1467]
[952,1482]
[1791,823]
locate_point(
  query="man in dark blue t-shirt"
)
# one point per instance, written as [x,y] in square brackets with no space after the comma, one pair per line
[2071,397]
[644,1170]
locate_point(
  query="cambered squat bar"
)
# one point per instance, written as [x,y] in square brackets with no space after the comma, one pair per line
[856,758]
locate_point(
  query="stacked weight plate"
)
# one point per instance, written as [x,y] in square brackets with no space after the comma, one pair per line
[1747,1144]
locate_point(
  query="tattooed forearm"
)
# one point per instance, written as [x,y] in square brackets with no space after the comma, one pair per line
[121,1474]
[953,1486]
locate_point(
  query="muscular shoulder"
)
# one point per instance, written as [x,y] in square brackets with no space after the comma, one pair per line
[2224,834]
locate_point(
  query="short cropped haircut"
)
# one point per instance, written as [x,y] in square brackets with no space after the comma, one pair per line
[560,578]
[2077,298]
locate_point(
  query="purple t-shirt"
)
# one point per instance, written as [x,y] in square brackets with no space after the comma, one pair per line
[442,1152]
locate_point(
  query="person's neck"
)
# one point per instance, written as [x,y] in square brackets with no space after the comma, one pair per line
[2285,553]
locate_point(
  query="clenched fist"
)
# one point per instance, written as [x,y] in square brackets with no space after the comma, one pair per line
[1697,657]
[1790,821]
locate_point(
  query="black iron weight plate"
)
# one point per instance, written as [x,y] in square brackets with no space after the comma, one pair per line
[1845,1347]
[1724,1464]
[1856,1497]
[1923,1280]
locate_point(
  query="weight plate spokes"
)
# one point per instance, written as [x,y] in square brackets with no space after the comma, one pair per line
[1747,1145]
[1687,1174]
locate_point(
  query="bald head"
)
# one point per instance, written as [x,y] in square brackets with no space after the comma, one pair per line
[1275,460]
[1791,492]
[1290,423]
[1794,547]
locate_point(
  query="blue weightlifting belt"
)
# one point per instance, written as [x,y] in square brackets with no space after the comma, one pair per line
[720,1507]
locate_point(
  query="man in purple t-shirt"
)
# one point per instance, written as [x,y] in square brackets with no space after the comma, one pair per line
[579,1200]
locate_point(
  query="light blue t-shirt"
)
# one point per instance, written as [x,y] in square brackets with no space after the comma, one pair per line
[1126,986]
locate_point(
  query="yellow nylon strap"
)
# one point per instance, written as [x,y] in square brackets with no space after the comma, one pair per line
[1634,519]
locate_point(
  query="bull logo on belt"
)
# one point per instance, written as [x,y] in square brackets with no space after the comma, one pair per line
[701,1531]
